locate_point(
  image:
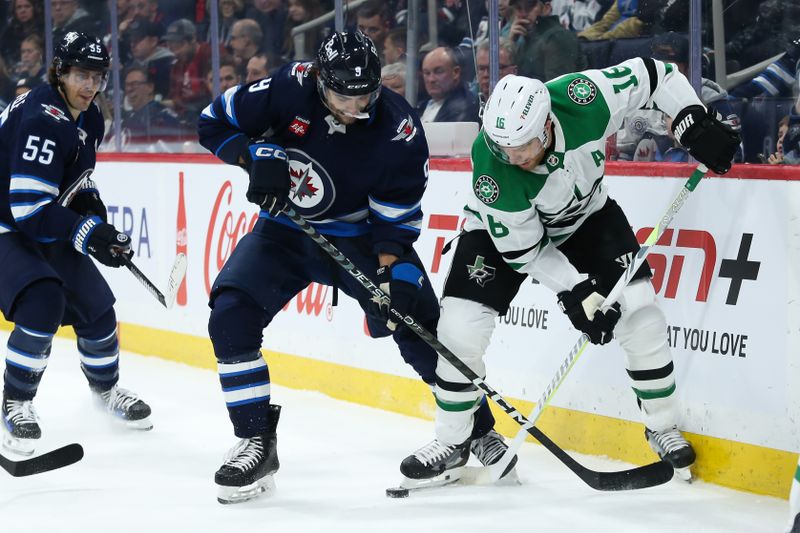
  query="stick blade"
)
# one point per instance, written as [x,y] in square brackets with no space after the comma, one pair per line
[58,458]
[176,276]
[642,477]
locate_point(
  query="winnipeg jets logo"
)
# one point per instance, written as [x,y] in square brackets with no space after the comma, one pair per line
[53,111]
[302,183]
[312,190]
[334,126]
[70,37]
[625,260]
[480,271]
[406,130]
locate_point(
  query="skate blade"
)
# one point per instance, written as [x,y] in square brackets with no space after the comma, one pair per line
[685,474]
[230,495]
[142,425]
[482,475]
[19,446]
[446,478]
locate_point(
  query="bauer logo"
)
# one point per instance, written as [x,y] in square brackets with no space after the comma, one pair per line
[582,91]
[486,189]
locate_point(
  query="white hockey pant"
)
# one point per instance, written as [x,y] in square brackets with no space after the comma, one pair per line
[642,332]
[465,328]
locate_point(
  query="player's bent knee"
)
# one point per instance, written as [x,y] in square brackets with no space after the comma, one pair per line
[466,327]
[643,333]
[236,324]
[638,294]
[40,305]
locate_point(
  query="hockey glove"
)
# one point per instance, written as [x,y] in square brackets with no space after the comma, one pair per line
[269,175]
[88,203]
[582,306]
[401,281]
[707,139]
[102,241]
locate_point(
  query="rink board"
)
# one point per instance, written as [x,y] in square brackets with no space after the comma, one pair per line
[723,273]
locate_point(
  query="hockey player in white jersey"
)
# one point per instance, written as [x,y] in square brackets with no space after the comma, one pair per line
[540,209]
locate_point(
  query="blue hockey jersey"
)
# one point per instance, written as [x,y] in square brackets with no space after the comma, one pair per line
[363,178]
[43,151]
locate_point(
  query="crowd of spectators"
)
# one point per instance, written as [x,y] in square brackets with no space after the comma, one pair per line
[165,57]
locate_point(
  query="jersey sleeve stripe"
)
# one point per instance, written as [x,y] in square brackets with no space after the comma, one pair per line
[26,183]
[227,99]
[5,229]
[26,210]
[208,112]
[226,141]
[392,212]
[652,73]
[415,226]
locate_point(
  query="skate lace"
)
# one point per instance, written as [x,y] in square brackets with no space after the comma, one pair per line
[119,399]
[21,412]
[432,452]
[489,448]
[670,440]
[245,454]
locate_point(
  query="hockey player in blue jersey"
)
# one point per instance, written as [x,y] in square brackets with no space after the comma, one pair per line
[51,220]
[354,162]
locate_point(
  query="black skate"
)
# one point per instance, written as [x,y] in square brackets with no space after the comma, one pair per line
[125,406]
[674,449]
[434,465]
[21,431]
[489,449]
[249,466]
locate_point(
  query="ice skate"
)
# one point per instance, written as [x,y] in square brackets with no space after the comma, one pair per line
[126,407]
[249,466]
[21,430]
[489,449]
[434,465]
[674,449]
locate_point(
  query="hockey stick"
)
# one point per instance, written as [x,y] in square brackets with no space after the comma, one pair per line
[636,478]
[58,458]
[496,470]
[176,276]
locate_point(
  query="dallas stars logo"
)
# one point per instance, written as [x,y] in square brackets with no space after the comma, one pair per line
[582,91]
[480,271]
[486,189]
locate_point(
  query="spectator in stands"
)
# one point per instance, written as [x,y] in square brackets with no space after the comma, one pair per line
[300,12]
[620,21]
[577,15]
[776,158]
[454,21]
[149,120]
[271,17]
[506,66]
[257,67]
[450,98]
[26,19]
[26,84]
[544,49]
[229,12]
[187,84]
[504,11]
[31,64]
[790,142]
[6,86]
[147,54]
[228,76]
[69,16]
[374,21]
[393,77]
[246,37]
[778,79]
[394,46]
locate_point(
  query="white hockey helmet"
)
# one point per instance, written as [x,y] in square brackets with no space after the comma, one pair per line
[516,114]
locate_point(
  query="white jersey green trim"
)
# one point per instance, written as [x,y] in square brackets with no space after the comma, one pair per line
[527,213]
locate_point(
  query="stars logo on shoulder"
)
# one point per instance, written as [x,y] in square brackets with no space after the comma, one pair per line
[480,271]
[486,189]
[54,112]
[582,91]
[406,130]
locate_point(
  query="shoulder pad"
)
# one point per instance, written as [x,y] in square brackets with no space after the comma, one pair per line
[54,112]
[300,71]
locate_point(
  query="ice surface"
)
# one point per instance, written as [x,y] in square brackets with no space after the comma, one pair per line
[337,459]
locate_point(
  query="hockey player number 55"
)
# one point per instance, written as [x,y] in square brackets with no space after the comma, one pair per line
[32,150]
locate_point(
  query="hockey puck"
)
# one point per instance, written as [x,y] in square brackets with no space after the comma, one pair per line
[397,492]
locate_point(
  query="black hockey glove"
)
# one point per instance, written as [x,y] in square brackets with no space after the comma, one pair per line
[401,281]
[582,300]
[707,139]
[102,241]
[269,175]
[88,203]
